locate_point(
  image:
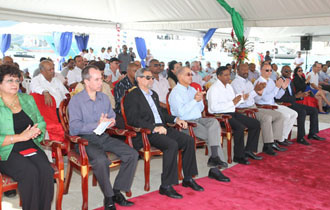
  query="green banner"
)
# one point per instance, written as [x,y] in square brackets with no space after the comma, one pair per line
[236,19]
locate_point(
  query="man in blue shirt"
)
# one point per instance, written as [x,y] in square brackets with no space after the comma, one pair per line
[187,103]
[142,110]
[87,110]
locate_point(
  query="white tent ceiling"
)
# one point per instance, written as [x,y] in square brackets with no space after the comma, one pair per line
[176,15]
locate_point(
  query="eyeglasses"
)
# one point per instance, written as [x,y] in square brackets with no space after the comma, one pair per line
[148,77]
[11,81]
[162,64]
[299,71]
[268,70]
[189,75]
[287,71]
[156,65]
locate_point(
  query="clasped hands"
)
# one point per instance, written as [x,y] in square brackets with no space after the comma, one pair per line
[31,132]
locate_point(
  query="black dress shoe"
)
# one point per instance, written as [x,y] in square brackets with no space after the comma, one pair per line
[282,143]
[109,204]
[216,174]
[278,148]
[241,160]
[192,184]
[252,155]
[121,200]
[288,142]
[303,141]
[216,162]
[10,193]
[269,150]
[170,192]
[316,137]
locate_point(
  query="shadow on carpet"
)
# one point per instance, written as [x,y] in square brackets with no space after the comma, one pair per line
[296,179]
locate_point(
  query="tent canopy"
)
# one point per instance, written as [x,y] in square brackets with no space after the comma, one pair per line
[159,15]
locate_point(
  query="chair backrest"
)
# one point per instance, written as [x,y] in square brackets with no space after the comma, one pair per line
[64,115]
[122,108]
[167,103]
[197,86]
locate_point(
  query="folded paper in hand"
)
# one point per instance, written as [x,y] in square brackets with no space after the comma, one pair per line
[102,127]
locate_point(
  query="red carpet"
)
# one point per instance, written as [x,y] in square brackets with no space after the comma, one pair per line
[296,179]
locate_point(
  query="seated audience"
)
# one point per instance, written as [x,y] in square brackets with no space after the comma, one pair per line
[48,85]
[22,130]
[70,66]
[271,121]
[221,99]
[147,114]
[301,84]
[160,85]
[314,79]
[114,71]
[253,74]
[74,76]
[173,67]
[271,90]
[187,104]
[290,97]
[196,68]
[275,75]
[87,110]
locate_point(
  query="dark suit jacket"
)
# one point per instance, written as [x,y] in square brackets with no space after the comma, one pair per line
[139,113]
[287,97]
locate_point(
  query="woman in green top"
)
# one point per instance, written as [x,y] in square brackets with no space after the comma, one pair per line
[22,129]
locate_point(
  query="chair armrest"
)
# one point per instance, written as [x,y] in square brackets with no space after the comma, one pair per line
[53,144]
[266,106]
[123,132]
[284,103]
[76,139]
[138,130]
[144,132]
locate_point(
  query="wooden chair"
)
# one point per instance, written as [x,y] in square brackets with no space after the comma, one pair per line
[79,160]
[7,183]
[191,125]
[147,151]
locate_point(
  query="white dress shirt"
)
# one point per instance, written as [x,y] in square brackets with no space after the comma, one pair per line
[115,76]
[55,88]
[74,75]
[314,78]
[197,78]
[244,86]
[161,87]
[269,92]
[220,98]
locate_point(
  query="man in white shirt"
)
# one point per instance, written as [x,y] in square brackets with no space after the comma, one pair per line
[298,61]
[74,76]
[102,55]
[161,85]
[221,99]
[68,67]
[48,85]
[271,121]
[114,73]
[195,67]
[271,90]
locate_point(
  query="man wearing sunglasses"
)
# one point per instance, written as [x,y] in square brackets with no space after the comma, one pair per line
[271,91]
[290,96]
[142,110]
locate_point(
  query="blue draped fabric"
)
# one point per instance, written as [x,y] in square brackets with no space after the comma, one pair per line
[207,38]
[82,41]
[62,43]
[5,43]
[142,49]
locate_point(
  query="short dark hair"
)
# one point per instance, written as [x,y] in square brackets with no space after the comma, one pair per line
[10,70]
[85,72]
[75,57]
[263,64]
[220,70]
[100,65]
[171,65]
[70,59]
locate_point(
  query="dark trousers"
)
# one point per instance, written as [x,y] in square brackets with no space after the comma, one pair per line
[326,87]
[96,152]
[302,111]
[35,178]
[238,123]
[170,144]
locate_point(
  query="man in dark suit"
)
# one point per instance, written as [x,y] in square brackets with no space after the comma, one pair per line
[302,110]
[142,110]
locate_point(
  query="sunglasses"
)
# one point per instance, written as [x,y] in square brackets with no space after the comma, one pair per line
[189,74]
[156,65]
[148,77]
[268,70]
[299,70]
[287,71]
